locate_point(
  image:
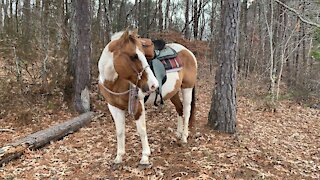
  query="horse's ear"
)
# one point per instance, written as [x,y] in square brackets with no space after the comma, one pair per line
[125,35]
[135,32]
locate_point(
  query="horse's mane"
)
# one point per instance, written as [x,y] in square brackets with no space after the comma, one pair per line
[117,35]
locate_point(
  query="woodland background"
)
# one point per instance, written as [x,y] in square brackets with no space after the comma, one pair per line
[278,72]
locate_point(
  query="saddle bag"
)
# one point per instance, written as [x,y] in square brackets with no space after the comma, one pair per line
[148,48]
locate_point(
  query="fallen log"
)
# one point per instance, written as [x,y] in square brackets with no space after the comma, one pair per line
[43,137]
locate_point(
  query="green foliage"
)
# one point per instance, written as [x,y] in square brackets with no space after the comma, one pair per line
[316,54]
[316,50]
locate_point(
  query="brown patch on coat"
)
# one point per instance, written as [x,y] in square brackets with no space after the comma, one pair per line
[177,103]
[125,59]
[119,101]
[189,70]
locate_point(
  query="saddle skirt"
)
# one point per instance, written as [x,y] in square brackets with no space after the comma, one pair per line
[156,49]
[165,60]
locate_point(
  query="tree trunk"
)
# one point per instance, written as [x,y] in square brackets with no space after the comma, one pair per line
[26,20]
[45,43]
[186,25]
[304,54]
[41,138]
[82,56]
[250,40]
[195,19]
[61,27]
[160,16]
[166,21]
[107,27]
[5,15]
[1,23]
[16,16]
[121,16]
[243,38]
[222,115]
[297,55]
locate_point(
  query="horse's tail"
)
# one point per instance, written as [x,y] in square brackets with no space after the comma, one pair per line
[193,108]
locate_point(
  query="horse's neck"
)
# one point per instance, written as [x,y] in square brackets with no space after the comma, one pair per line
[118,85]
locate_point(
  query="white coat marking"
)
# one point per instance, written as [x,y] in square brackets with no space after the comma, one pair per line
[119,119]
[167,87]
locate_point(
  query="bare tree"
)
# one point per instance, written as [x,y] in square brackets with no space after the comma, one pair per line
[166,21]
[80,54]
[186,25]
[160,16]
[1,22]
[222,115]
[195,18]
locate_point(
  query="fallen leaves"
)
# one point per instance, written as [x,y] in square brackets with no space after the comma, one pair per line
[268,145]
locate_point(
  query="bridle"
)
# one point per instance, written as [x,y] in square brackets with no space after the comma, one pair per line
[135,88]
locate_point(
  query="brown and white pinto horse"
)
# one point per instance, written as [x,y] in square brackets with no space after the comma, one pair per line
[123,63]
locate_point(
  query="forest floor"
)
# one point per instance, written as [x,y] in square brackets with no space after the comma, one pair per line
[280,144]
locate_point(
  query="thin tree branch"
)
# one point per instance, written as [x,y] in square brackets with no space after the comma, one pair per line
[303,19]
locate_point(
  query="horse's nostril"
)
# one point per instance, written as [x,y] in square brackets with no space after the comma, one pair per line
[153,87]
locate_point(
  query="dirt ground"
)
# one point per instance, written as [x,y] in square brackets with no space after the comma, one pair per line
[284,144]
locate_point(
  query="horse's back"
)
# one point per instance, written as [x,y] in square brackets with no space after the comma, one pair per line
[189,61]
[184,78]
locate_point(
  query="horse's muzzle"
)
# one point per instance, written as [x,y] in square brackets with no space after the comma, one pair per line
[145,89]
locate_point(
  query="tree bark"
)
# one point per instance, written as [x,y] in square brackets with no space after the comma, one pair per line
[16,16]
[166,21]
[26,20]
[186,32]
[121,16]
[222,115]
[82,56]
[5,15]
[107,27]
[1,23]
[160,16]
[195,19]
[41,138]
[243,38]
[45,43]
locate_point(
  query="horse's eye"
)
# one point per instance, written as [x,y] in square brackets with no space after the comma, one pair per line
[134,57]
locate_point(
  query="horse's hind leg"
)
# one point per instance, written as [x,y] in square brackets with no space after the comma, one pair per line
[119,119]
[186,101]
[178,105]
[141,128]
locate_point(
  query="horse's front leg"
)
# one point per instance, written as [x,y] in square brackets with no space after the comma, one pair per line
[119,120]
[141,128]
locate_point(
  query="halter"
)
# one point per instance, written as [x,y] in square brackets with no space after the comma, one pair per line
[139,76]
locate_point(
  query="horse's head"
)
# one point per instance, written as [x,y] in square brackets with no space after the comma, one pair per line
[131,64]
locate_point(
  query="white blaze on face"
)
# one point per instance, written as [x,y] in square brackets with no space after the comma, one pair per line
[152,81]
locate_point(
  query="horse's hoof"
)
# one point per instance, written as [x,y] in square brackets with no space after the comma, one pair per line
[116,166]
[144,166]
